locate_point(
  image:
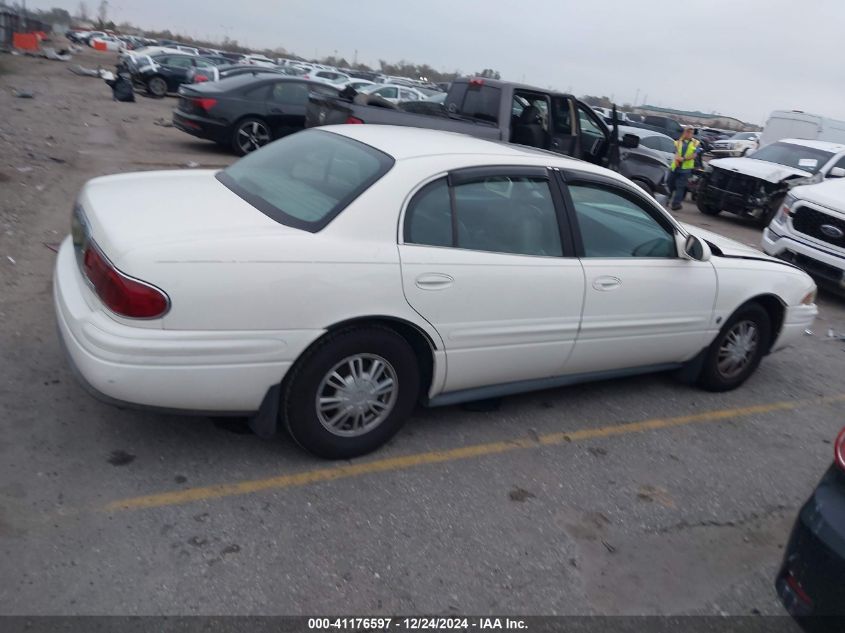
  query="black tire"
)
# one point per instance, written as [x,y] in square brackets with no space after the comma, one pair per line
[249,135]
[705,208]
[713,375]
[311,375]
[157,87]
[770,213]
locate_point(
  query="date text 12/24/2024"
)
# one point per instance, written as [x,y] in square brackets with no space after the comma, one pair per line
[375,624]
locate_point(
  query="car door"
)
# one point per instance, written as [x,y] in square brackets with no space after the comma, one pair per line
[484,260]
[174,69]
[643,304]
[564,132]
[593,138]
[286,104]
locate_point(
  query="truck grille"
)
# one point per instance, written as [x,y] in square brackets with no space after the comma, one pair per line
[733,182]
[820,226]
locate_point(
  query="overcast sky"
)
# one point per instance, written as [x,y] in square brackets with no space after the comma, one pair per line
[741,58]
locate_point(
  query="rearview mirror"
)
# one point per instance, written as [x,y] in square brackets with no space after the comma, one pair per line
[837,172]
[630,141]
[692,247]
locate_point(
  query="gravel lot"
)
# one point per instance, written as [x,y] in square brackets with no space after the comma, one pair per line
[544,506]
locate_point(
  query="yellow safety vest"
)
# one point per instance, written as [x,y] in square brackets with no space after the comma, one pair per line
[688,160]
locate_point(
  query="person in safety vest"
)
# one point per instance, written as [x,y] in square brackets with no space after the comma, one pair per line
[682,165]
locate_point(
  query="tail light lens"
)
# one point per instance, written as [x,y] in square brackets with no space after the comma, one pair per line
[120,293]
[839,449]
[205,103]
[198,79]
[353,119]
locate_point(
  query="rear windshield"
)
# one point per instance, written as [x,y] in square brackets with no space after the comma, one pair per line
[478,101]
[306,179]
[797,156]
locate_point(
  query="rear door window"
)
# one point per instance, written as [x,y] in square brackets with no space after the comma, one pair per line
[482,103]
[304,180]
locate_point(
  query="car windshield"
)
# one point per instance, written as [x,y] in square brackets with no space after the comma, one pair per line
[807,159]
[304,180]
[744,136]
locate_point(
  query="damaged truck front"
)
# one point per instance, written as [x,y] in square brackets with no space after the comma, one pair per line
[755,186]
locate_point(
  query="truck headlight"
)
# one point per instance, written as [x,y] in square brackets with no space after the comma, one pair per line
[785,210]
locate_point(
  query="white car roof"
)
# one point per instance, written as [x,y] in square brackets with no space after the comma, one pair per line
[826,146]
[641,132]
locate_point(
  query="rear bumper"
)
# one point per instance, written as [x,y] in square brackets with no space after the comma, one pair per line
[201,127]
[811,580]
[175,370]
[825,266]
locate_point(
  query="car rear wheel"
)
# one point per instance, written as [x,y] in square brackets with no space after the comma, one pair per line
[737,350]
[157,87]
[250,135]
[706,209]
[351,392]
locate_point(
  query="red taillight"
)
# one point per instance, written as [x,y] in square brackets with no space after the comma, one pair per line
[205,103]
[797,589]
[353,119]
[121,294]
[839,449]
[475,81]
[198,79]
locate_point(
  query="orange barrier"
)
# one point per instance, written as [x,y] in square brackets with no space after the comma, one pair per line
[25,41]
[99,46]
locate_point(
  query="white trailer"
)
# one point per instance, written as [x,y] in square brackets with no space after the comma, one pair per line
[797,124]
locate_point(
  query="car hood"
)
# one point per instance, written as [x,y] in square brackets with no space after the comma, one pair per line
[128,212]
[830,194]
[728,247]
[761,169]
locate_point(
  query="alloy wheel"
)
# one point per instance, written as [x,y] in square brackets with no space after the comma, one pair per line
[738,348]
[252,135]
[356,395]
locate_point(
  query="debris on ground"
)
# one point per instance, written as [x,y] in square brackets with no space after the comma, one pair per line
[53,246]
[23,94]
[24,169]
[608,546]
[520,495]
[11,259]
[192,164]
[59,56]
[161,121]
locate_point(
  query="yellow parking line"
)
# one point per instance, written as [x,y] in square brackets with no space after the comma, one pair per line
[345,471]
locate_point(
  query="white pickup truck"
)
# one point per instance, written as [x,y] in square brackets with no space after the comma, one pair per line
[809,231]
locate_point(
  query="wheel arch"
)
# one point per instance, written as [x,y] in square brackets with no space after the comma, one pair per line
[775,307]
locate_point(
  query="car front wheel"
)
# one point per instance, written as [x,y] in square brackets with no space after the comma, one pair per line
[737,350]
[351,392]
[706,209]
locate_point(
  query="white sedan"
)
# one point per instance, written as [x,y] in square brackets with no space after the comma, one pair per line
[334,279]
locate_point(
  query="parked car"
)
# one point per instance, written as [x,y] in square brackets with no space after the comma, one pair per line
[663,124]
[739,144]
[324,282]
[331,77]
[754,186]
[258,60]
[357,84]
[811,579]
[783,124]
[809,230]
[106,43]
[504,111]
[655,141]
[394,93]
[163,73]
[246,111]
[200,75]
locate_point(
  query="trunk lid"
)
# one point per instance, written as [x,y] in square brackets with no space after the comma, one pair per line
[127,212]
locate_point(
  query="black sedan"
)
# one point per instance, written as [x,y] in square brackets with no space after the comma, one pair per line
[246,111]
[811,581]
[165,72]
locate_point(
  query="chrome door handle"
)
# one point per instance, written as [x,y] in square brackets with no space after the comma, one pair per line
[434,281]
[606,283]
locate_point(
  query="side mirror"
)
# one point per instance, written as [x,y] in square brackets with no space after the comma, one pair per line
[630,141]
[692,247]
[837,172]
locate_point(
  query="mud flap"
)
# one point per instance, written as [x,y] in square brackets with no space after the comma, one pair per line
[265,422]
[691,370]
